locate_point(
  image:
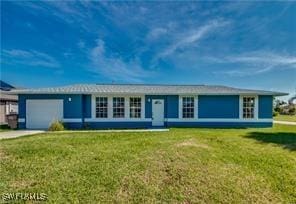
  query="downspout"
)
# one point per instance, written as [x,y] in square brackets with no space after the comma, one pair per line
[166,110]
[83,110]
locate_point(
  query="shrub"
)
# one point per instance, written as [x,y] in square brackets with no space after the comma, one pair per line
[4,127]
[56,126]
[277,109]
[292,111]
[275,113]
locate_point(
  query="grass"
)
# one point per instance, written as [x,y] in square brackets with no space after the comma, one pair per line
[290,118]
[179,166]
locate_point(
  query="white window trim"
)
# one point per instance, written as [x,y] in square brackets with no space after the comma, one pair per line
[256,108]
[195,116]
[180,119]
[110,108]
[125,106]
[96,104]
[142,106]
[93,107]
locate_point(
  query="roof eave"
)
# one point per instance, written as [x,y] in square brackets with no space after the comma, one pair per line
[15,92]
[280,94]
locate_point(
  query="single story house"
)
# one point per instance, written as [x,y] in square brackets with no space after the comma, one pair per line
[145,106]
[8,102]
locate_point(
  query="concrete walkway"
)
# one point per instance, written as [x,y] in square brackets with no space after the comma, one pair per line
[284,122]
[119,130]
[18,133]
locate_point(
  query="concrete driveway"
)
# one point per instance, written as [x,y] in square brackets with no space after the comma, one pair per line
[18,133]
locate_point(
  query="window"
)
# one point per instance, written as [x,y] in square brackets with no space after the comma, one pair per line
[135,107]
[188,107]
[118,107]
[248,107]
[101,107]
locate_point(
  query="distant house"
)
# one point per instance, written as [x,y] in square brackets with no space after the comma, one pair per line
[8,102]
[292,100]
[145,106]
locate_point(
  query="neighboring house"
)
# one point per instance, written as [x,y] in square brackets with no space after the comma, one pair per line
[145,106]
[292,100]
[8,103]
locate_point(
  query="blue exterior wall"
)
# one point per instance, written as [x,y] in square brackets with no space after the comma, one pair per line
[218,106]
[148,105]
[86,100]
[22,106]
[72,109]
[220,124]
[208,107]
[22,125]
[171,105]
[265,104]
[122,125]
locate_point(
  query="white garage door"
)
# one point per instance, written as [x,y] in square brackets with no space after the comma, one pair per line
[41,113]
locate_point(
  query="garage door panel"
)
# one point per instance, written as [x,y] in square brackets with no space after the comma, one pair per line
[41,113]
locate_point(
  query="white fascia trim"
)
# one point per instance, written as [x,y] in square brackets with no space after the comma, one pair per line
[219,120]
[117,120]
[21,120]
[141,93]
[72,120]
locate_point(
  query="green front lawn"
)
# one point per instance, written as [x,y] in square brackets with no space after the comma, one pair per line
[290,118]
[179,166]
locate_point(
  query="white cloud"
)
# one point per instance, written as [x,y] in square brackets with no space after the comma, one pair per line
[155,33]
[73,13]
[30,57]
[116,68]
[185,40]
[256,62]
[192,36]
[263,57]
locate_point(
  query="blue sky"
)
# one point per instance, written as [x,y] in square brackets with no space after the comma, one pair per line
[240,44]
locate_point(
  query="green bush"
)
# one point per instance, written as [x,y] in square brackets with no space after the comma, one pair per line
[292,111]
[277,109]
[275,113]
[4,127]
[56,126]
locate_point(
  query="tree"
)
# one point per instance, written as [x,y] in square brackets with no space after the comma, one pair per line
[292,110]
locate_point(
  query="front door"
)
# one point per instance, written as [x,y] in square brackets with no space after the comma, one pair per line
[157,112]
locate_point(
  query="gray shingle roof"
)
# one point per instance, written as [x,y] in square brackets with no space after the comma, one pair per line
[6,96]
[145,89]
